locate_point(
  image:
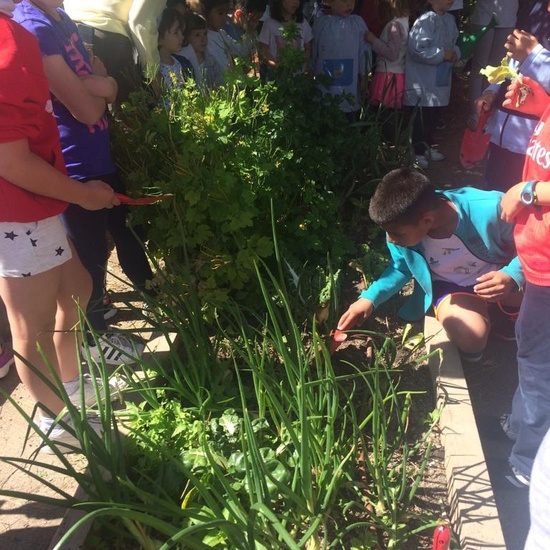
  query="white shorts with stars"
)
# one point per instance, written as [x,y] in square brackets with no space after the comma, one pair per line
[31,248]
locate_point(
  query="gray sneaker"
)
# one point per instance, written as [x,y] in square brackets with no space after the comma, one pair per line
[117,384]
[114,349]
[65,440]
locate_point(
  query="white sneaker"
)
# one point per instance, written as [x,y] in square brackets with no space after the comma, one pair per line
[117,384]
[65,440]
[421,161]
[434,155]
[114,349]
[6,361]
[109,309]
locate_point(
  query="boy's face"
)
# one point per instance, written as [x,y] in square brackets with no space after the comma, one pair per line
[217,16]
[408,234]
[342,8]
[198,39]
[172,41]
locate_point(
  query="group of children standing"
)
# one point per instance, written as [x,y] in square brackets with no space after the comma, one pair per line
[412,68]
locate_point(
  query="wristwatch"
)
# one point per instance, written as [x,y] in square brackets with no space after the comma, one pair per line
[528,195]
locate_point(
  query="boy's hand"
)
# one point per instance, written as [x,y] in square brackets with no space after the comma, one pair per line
[520,44]
[369,37]
[494,285]
[356,314]
[485,101]
[97,195]
[450,55]
[527,96]
[511,204]
[98,68]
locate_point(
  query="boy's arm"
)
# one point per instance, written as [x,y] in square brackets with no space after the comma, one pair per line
[421,45]
[390,49]
[143,24]
[520,44]
[392,280]
[21,167]
[101,86]
[67,87]
[511,202]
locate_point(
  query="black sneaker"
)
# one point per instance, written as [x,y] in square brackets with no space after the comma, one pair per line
[504,422]
[471,357]
[517,479]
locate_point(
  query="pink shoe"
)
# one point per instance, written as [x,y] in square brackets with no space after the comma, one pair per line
[6,361]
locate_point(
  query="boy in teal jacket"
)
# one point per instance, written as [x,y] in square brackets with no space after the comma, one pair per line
[456,247]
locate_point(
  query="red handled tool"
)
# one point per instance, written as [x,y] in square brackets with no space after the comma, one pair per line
[125,199]
[337,337]
[442,537]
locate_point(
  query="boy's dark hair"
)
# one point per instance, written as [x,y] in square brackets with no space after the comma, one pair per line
[276,11]
[167,19]
[204,7]
[172,3]
[193,22]
[403,196]
[251,6]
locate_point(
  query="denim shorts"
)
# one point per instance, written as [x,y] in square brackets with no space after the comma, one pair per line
[31,248]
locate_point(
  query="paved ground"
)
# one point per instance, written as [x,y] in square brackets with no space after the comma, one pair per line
[492,385]
[28,525]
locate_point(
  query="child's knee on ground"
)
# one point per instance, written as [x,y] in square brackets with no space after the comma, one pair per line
[467,325]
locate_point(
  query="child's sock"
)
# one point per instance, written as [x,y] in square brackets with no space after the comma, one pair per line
[471,356]
[72,385]
[46,423]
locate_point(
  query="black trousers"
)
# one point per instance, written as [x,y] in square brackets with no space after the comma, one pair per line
[88,231]
[424,124]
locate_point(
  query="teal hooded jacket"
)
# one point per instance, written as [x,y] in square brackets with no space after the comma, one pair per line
[481,230]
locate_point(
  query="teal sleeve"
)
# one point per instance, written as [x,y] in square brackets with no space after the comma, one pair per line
[514,270]
[392,280]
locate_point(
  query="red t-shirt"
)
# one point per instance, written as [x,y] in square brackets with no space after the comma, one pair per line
[532,230]
[26,113]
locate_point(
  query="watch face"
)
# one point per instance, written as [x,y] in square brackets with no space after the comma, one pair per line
[527,198]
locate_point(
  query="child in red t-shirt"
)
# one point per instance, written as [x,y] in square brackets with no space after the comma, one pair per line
[528,204]
[41,277]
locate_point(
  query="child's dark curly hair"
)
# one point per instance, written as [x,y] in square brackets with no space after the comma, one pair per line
[402,197]
[167,19]
[204,7]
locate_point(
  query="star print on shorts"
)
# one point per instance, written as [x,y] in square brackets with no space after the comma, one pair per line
[30,248]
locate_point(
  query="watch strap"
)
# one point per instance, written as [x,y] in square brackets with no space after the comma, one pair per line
[528,193]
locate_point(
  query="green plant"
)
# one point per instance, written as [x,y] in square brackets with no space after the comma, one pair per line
[236,154]
[272,462]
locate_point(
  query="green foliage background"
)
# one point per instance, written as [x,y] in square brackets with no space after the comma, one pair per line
[234,158]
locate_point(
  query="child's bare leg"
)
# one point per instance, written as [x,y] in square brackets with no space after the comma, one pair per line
[31,305]
[466,321]
[74,292]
